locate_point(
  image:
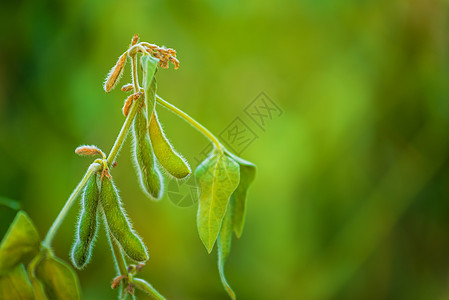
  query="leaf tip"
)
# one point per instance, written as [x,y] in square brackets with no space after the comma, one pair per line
[238,233]
[207,242]
[210,248]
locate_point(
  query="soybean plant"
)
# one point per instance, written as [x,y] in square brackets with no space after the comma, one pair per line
[29,268]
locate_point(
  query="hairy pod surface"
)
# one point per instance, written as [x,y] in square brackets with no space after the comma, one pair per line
[129,101]
[87,227]
[115,74]
[118,224]
[127,105]
[172,162]
[150,177]
[89,150]
[127,87]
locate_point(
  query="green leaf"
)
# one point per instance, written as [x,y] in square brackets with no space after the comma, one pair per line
[247,175]
[39,293]
[149,66]
[58,279]
[217,177]
[224,245]
[20,243]
[13,204]
[16,285]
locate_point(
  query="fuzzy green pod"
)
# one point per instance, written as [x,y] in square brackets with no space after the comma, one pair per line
[173,162]
[150,177]
[87,227]
[118,224]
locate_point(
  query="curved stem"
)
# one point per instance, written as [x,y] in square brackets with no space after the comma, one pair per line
[148,288]
[94,167]
[134,49]
[191,121]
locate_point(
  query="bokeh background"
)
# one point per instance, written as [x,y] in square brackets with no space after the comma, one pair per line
[351,199]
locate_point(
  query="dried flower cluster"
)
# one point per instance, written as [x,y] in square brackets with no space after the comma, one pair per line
[165,55]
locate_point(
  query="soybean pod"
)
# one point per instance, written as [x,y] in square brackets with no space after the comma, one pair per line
[172,162]
[87,227]
[150,177]
[118,224]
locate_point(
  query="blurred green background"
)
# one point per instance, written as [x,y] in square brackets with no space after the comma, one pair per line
[351,199]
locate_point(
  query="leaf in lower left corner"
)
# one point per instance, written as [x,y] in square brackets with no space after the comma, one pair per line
[13,204]
[19,243]
[16,285]
[57,278]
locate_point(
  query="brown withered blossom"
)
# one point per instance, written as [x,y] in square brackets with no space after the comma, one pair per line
[89,150]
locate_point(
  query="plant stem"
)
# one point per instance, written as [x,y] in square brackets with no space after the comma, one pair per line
[191,121]
[120,263]
[129,119]
[116,148]
[94,167]
[134,73]
[123,132]
[118,256]
[148,288]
